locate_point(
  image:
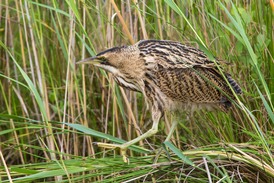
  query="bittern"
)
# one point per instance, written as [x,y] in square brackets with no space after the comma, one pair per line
[171,76]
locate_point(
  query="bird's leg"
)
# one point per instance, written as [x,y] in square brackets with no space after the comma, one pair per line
[156,116]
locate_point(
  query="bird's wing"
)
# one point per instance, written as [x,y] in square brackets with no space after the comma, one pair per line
[174,54]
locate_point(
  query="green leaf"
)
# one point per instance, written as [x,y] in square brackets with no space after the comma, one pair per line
[31,86]
[174,6]
[247,17]
[267,107]
[52,173]
[95,133]
[179,153]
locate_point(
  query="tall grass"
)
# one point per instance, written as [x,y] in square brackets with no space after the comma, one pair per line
[51,111]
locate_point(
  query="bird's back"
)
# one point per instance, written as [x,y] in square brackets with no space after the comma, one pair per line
[184,75]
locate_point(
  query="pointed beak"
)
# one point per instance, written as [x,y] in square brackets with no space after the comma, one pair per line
[90,60]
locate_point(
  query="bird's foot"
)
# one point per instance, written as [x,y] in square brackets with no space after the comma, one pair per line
[114,146]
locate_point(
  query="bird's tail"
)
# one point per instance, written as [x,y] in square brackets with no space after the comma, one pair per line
[234,84]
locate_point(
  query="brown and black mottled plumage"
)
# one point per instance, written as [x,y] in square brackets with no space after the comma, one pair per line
[172,76]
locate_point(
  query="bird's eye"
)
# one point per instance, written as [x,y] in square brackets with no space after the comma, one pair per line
[103,59]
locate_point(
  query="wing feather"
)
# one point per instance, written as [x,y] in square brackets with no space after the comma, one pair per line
[174,54]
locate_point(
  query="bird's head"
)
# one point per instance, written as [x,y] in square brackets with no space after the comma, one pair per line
[120,61]
[107,60]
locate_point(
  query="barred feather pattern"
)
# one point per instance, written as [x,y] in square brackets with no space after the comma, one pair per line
[185,76]
[171,75]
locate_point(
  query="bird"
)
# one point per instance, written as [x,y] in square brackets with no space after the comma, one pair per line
[171,76]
